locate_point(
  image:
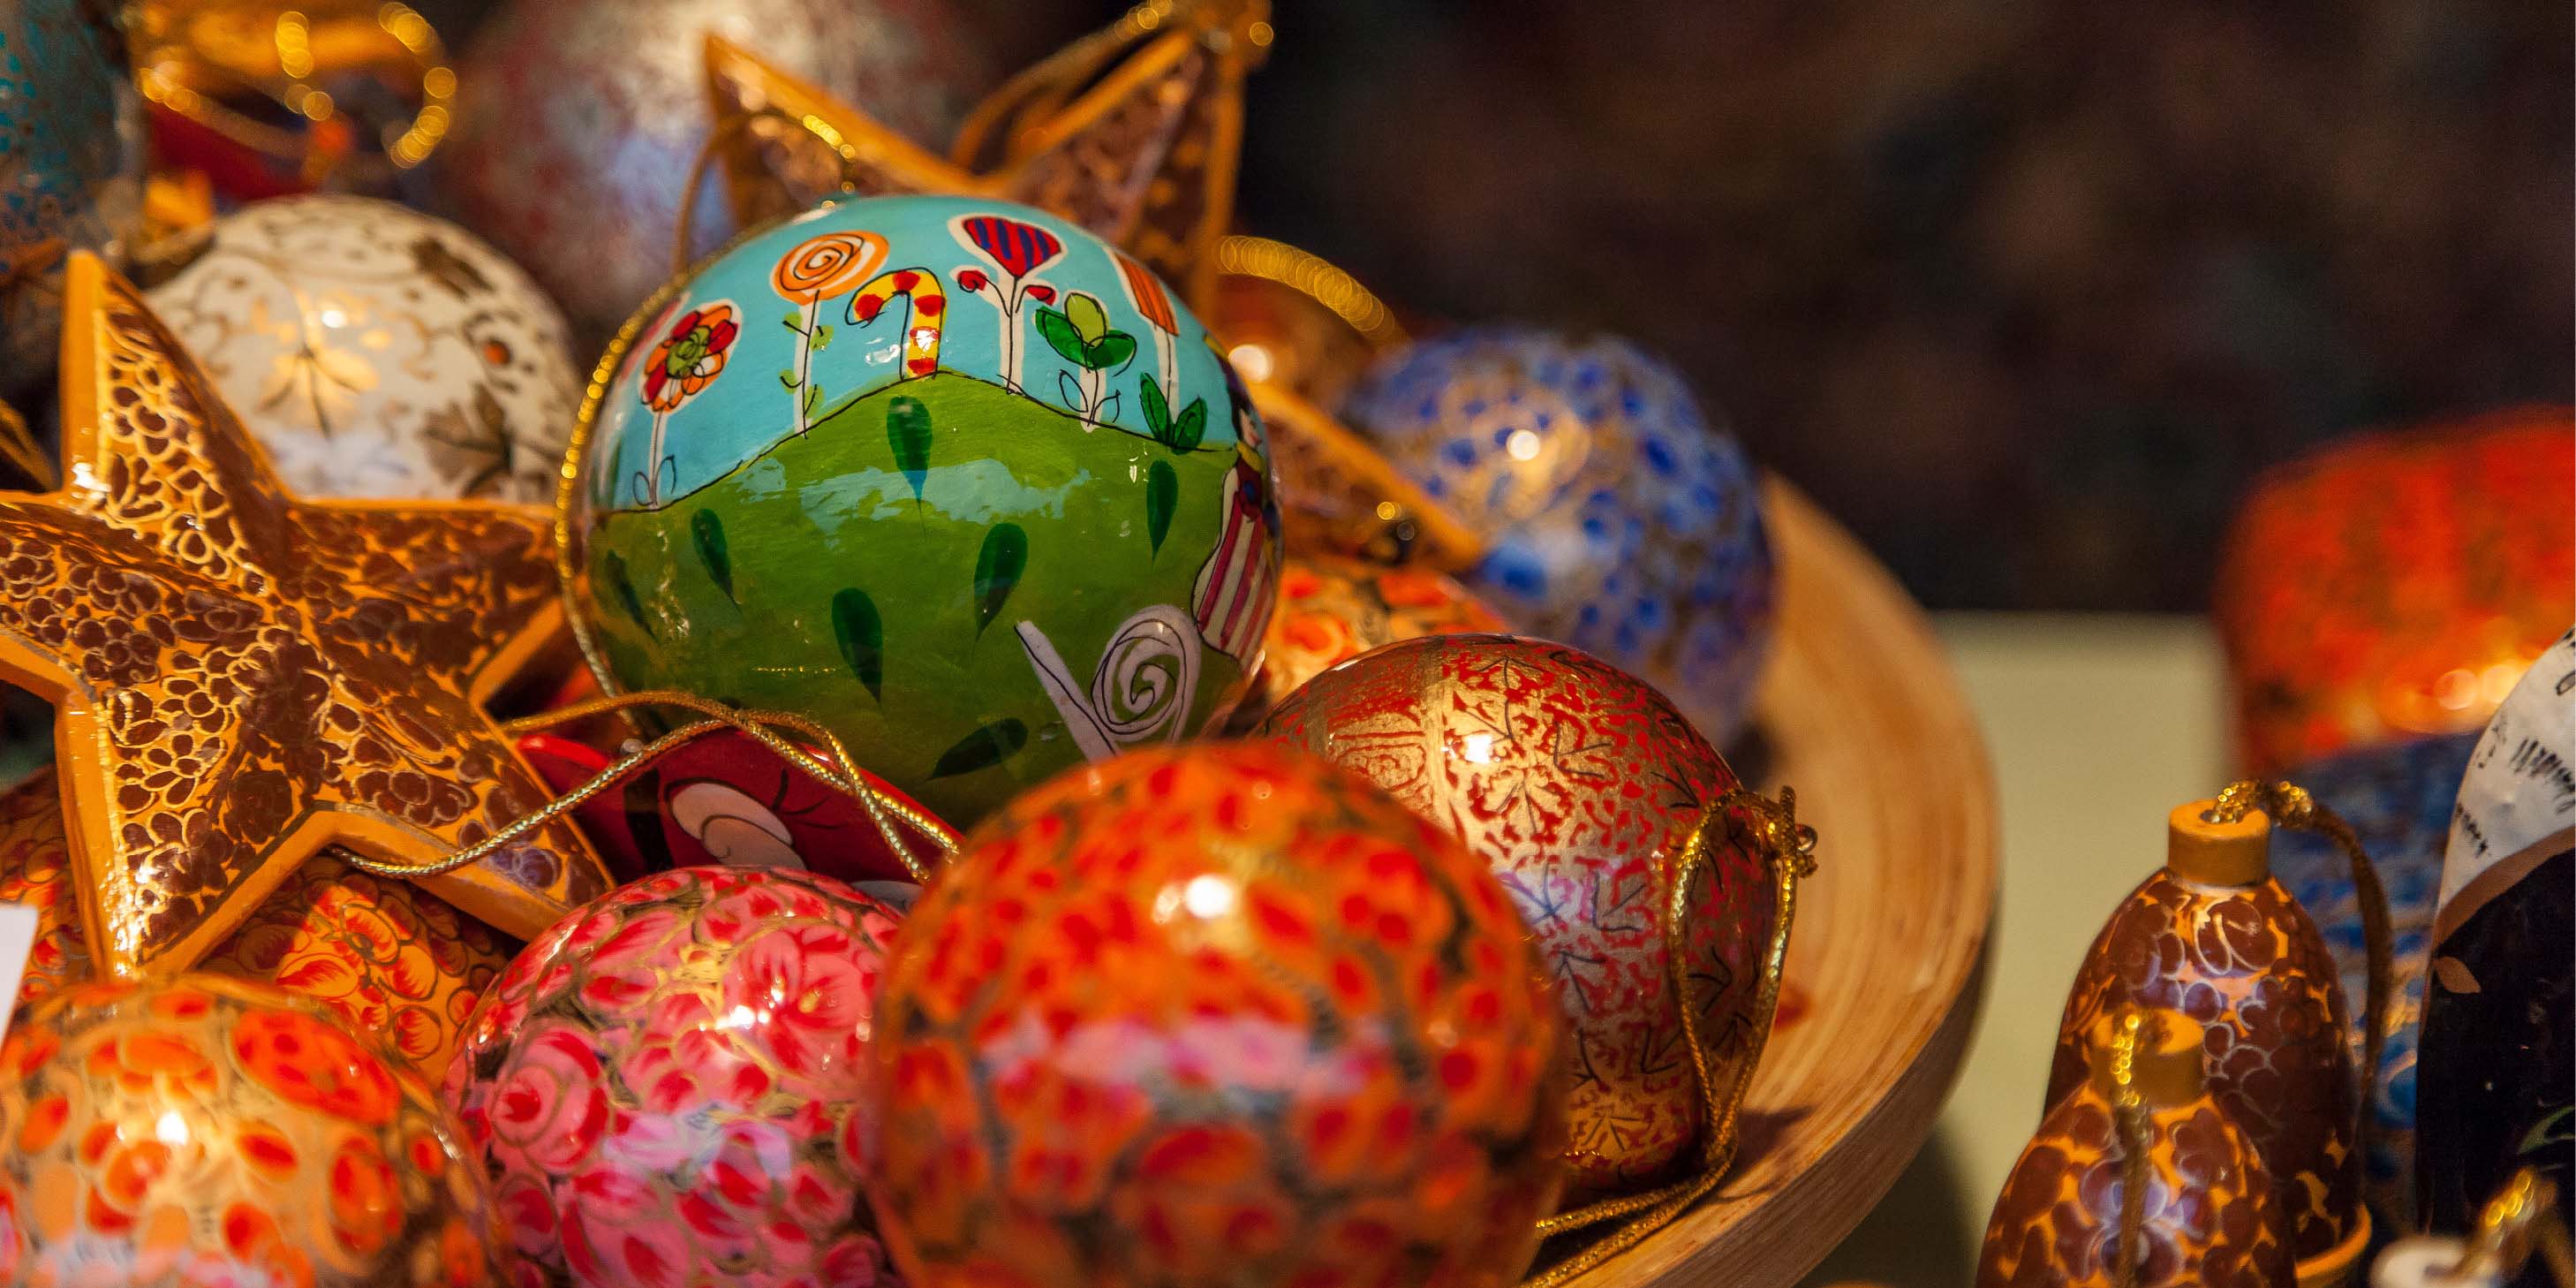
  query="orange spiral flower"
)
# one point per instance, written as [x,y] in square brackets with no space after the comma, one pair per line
[828,266]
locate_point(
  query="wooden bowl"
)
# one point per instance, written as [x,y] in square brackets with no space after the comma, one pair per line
[1860,712]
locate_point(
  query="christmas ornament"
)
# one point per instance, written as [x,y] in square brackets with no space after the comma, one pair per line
[1615,517]
[2394,586]
[2398,799]
[269,97]
[71,168]
[723,798]
[1581,788]
[378,353]
[663,1085]
[2138,1177]
[573,148]
[244,678]
[2214,935]
[1330,1056]
[1333,609]
[386,957]
[1142,153]
[954,478]
[205,1130]
[2498,1057]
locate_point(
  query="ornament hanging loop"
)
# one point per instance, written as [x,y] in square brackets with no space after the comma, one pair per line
[1771,830]
[2133,1032]
[2291,806]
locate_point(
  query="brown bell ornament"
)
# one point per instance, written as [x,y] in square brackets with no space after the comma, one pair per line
[2213,937]
[2138,1177]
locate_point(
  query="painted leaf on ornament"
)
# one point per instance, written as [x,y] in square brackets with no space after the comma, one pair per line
[1162,495]
[706,532]
[908,433]
[862,635]
[997,570]
[988,746]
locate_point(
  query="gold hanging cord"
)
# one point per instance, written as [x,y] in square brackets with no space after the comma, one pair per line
[1788,848]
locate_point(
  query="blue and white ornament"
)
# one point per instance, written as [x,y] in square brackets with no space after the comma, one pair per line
[1616,517]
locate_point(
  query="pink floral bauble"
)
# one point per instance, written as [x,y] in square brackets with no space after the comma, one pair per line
[662,1085]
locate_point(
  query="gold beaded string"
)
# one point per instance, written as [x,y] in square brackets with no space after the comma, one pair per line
[761,726]
[2521,1220]
[2132,1033]
[1317,279]
[168,69]
[1788,848]
[2291,806]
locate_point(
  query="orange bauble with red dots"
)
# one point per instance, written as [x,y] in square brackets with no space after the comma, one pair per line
[1214,1015]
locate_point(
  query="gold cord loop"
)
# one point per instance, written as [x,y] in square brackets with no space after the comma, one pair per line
[2290,805]
[2132,1033]
[1787,847]
[760,726]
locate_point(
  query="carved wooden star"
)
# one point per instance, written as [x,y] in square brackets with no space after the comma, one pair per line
[244,677]
[1144,156]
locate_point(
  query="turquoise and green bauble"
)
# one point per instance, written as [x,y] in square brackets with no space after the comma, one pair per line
[954,477]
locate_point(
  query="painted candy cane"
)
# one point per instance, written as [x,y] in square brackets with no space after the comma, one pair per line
[929,309]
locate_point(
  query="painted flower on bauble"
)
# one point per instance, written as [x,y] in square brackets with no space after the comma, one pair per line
[689,356]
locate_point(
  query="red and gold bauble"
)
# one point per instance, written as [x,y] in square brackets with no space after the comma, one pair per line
[1333,609]
[387,957]
[663,1086]
[2396,586]
[1223,1014]
[1579,785]
[203,1130]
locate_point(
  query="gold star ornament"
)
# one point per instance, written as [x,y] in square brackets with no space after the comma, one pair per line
[245,678]
[1144,155]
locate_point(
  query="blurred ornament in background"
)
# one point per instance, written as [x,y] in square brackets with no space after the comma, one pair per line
[2214,936]
[2398,800]
[2139,1131]
[271,97]
[664,1086]
[387,957]
[1331,1056]
[1580,787]
[2396,585]
[1333,609]
[377,352]
[71,169]
[206,1130]
[1615,517]
[581,120]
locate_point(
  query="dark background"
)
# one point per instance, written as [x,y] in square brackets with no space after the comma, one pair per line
[2022,292]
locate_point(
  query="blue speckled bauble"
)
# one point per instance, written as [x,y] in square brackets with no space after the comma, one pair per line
[2398,800]
[71,166]
[1616,517]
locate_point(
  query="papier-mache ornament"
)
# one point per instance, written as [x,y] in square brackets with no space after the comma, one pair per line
[582,119]
[954,478]
[2138,1177]
[1333,609]
[386,956]
[245,679]
[1615,515]
[2214,937]
[664,1087]
[199,1129]
[1331,1056]
[1658,893]
[376,352]
[71,168]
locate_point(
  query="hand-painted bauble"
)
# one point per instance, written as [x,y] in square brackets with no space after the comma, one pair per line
[2395,586]
[1616,517]
[663,1086]
[1578,785]
[954,478]
[580,121]
[203,1130]
[1221,1015]
[376,352]
[71,168]
[1333,609]
[386,956]
[2398,799]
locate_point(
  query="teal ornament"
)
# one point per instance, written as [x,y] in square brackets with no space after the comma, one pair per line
[953,477]
[1616,516]
[71,168]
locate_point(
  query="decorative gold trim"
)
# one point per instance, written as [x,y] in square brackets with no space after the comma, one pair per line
[178,70]
[1316,278]
[1788,848]
[2133,1032]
